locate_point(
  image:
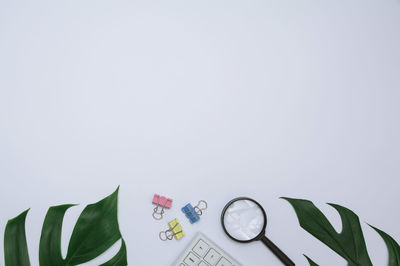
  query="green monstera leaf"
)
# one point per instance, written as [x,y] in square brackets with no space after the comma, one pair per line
[15,247]
[310,261]
[119,259]
[95,231]
[349,243]
[392,246]
[50,240]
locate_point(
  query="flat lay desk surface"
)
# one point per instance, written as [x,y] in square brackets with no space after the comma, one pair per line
[201,100]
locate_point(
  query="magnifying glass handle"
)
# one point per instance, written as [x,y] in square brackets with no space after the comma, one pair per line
[279,253]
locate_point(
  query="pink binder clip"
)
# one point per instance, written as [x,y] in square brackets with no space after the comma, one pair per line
[160,202]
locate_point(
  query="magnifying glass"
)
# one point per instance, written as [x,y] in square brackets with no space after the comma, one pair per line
[244,220]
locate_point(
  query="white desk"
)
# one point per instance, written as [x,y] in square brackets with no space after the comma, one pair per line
[201,100]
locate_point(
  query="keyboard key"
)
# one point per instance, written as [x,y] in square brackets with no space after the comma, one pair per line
[201,251]
[201,248]
[191,259]
[212,257]
[224,262]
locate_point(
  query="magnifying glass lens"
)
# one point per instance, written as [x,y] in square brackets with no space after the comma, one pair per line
[244,220]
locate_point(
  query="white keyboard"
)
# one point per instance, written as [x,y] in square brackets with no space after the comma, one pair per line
[203,252]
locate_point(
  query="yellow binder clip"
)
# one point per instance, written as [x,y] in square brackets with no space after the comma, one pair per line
[175,230]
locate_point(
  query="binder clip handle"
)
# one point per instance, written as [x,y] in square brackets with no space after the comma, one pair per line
[166,235]
[156,214]
[198,209]
[169,233]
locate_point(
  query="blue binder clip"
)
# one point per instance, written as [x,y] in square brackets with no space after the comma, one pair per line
[194,213]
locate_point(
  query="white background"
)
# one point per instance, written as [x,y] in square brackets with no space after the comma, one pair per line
[201,100]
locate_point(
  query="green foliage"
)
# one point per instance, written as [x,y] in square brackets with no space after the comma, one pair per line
[119,259]
[15,248]
[392,246]
[95,231]
[310,261]
[50,240]
[349,243]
